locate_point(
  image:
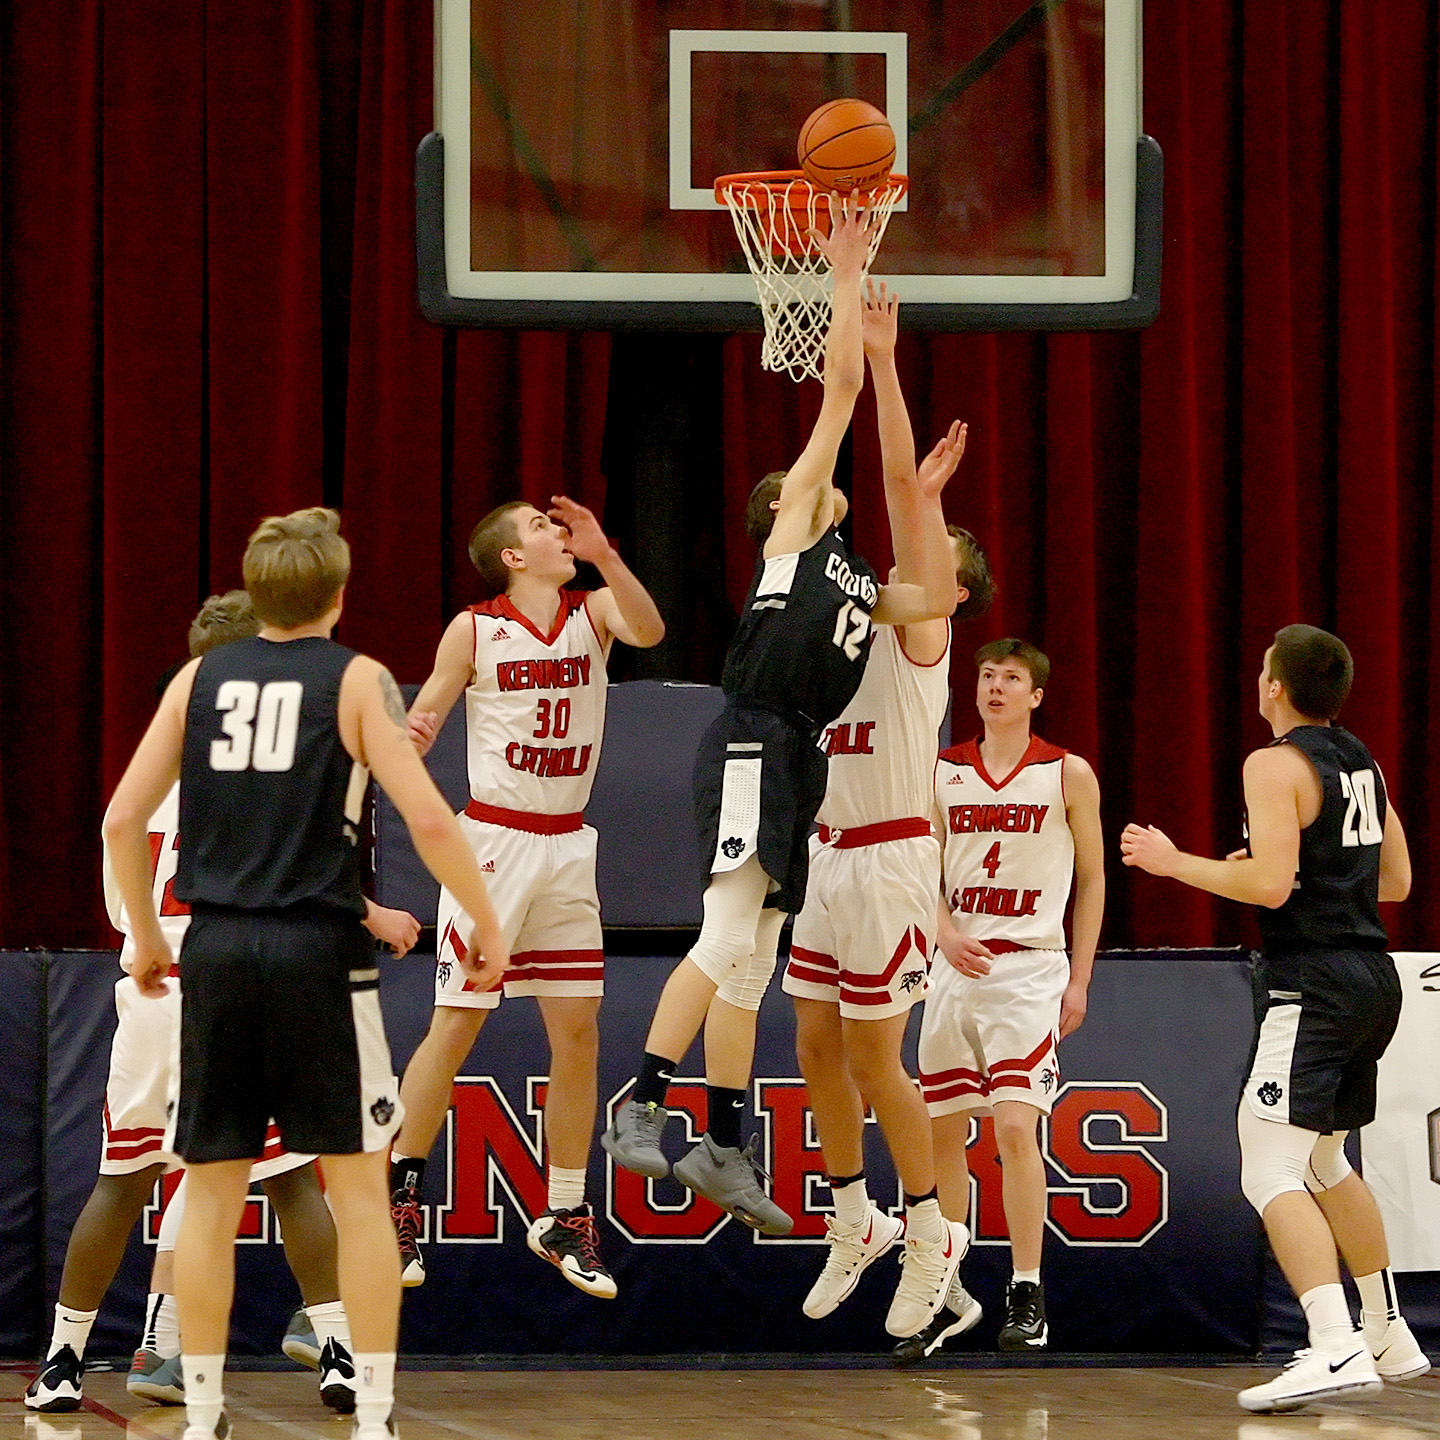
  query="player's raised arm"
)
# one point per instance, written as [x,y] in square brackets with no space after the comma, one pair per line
[806,508]
[372,725]
[1273,778]
[623,610]
[153,769]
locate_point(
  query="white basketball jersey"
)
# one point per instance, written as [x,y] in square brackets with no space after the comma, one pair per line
[535,711]
[882,748]
[164,857]
[1009,854]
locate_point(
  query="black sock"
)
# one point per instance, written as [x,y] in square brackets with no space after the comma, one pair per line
[406,1172]
[839,1182]
[912,1200]
[653,1082]
[726,1107]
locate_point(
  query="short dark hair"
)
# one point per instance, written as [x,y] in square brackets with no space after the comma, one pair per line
[759,517]
[1022,650]
[496,532]
[223,618]
[973,572]
[1315,668]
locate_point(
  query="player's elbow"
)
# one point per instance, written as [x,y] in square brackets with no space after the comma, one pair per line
[649,636]
[1274,893]
[1394,885]
[429,825]
[844,379]
[119,820]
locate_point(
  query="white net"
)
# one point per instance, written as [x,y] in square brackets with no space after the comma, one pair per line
[774,215]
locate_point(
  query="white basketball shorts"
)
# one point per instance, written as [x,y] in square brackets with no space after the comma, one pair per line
[993,1038]
[543,891]
[862,940]
[138,1090]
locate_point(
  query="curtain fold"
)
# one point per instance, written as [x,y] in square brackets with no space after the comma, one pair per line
[207,265]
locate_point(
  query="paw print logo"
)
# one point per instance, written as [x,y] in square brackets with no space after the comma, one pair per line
[443,973]
[1047,1080]
[1269,1093]
[382,1112]
[911,980]
[732,847]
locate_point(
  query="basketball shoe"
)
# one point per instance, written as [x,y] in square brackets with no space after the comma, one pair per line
[1025,1327]
[337,1378]
[156,1377]
[384,1430]
[927,1269]
[960,1312]
[634,1138]
[301,1343]
[852,1250]
[199,1432]
[405,1212]
[1316,1375]
[731,1178]
[1397,1353]
[570,1240]
[57,1387]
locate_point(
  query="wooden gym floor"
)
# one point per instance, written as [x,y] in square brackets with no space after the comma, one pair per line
[922,1404]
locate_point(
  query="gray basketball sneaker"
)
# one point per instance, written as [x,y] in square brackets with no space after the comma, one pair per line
[731,1178]
[634,1138]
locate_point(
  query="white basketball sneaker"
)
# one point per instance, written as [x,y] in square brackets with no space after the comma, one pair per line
[1316,1375]
[1397,1353]
[927,1271]
[852,1249]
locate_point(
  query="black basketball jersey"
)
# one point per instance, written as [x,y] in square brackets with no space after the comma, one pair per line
[1335,902]
[804,635]
[269,799]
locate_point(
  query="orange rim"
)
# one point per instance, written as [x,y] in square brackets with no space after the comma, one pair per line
[746,183]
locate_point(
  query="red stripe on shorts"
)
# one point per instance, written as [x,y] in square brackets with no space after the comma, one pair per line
[531,823]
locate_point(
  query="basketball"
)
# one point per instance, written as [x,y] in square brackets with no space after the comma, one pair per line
[846,145]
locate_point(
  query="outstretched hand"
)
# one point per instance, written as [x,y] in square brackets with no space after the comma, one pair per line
[879,320]
[939,465]
[847,247]
[1148,848]
[587,540]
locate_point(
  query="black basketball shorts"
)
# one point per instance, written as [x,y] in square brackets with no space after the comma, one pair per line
[1322,1022]
[759,779]
[280,1015]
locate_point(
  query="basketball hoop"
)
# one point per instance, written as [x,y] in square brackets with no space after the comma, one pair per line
[774,213]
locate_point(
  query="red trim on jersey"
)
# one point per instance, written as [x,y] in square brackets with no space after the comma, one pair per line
[1004,947]
[1037,752]
[911,828]
[501,605]
[924,664]
[526,820]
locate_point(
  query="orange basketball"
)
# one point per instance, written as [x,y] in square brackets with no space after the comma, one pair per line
[846,145]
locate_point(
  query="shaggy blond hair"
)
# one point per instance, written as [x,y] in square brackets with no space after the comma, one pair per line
[222,618]
[295,565]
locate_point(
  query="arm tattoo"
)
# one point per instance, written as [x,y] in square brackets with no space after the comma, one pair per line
[394,704]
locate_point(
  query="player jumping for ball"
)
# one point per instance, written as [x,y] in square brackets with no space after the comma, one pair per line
[1324,847]
[531,664]
[795,663]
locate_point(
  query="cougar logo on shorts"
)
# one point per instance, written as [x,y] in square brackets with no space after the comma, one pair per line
[1047,1080]
[911,979]
[732,847]
[382,1111]
[1269,1093]
[442,973]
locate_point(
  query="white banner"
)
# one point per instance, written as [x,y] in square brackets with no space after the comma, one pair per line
[1401,1150]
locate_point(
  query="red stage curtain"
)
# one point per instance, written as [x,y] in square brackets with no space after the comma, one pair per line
[206,258]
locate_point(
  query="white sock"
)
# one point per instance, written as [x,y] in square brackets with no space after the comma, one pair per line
[852,1203]
[204,1389]
[374,1387]
[567,1189]
[162,1326]
[924,1222]
[1328,1317]
[1030,1277]
[330,1323]
[72,1328]
[1378,1304]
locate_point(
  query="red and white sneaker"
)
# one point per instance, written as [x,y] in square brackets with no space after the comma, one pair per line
[852,1250]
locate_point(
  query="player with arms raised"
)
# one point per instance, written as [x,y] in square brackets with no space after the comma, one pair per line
[531,664]
[1325,847]
[796,661]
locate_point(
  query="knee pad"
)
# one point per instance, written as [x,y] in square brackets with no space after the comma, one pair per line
[1328,1165]
[745,986]
[719,949]
[1274,1158]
